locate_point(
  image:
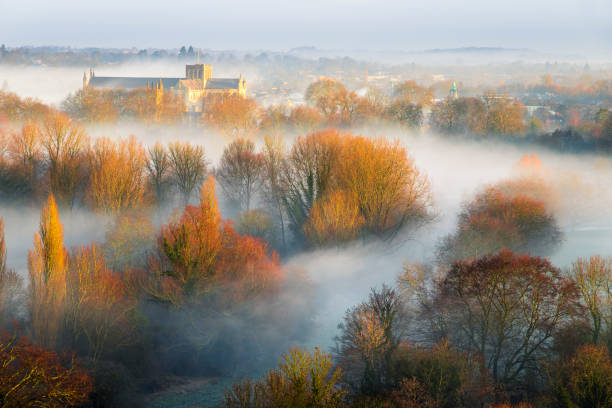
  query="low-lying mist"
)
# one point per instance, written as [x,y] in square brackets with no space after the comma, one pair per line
[343,276]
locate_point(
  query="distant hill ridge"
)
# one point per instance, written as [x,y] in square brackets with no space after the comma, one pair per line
[474,50]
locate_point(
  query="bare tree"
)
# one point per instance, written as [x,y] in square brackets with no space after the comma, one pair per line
[64,142]
[593,276]
[240,172]
[188,167]
[273,187]
[158,167]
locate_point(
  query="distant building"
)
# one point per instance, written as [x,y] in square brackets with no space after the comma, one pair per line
[197,84]
[453,94]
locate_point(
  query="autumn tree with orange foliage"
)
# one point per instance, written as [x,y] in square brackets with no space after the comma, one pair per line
[47,265]
[376,175]
[118,180]
[334,219]
[64,143]
[230,115]
[494,220]
[31,376]
[389,189]
[200,256]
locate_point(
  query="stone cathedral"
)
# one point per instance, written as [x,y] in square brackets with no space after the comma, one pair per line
[197,84]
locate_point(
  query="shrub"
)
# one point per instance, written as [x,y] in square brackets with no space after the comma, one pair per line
[302,380]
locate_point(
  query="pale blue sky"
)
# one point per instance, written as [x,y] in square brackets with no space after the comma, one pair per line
[559,25]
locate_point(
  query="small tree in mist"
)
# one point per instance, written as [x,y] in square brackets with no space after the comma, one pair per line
[230,115]
[460,116]
[10,283]
[302,379]
[240,171]
[305,119]
[274,120]
[411,92]
[593,277]
[64,143]
[188,167]
[128,241]
[407,114]
[117,181]
[325,94]
[369,335]
[47,268]
[258,224]
[504,116]
[158,169]
[34,377]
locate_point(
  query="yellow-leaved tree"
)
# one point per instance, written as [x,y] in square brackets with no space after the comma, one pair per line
[47,268]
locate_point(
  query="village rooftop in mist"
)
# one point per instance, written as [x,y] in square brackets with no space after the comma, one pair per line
[339,204]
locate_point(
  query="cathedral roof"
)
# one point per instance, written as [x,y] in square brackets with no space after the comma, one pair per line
[195,84]
[132,82]
[223,83]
